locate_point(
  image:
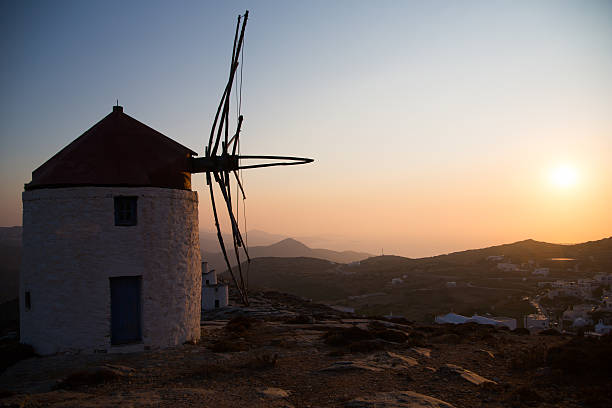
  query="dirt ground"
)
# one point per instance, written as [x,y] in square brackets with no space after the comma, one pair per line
[302,361]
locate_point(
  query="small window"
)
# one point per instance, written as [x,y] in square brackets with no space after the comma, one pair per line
[207,282]
[125,211]
[216,303]
[28,301]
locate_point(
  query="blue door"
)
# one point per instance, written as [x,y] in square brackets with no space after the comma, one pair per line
[125,309]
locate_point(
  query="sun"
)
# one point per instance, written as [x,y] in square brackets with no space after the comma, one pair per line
[564,176]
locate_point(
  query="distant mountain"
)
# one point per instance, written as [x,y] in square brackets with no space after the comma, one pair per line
[420,290]
[209,242]
[598,252]
[287,248]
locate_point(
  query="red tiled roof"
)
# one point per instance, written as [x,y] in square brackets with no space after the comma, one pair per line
[117,151]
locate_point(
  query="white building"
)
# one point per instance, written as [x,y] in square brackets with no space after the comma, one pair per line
[507,267]
[454,318]
[214,294]
[606,302]
[495,258]
[604,278]
[111,253]
[495,321]
[541,271]
[536,322]
[344,309]
[565,288]
[602,328]
[451,284]
[451,318]
[579,312]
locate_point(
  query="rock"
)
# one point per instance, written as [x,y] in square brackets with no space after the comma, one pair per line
[121,369]
[470,376]
[422,351]
[398,399]
[489,353]
[350,365]
[390,360]
[377,362]
[273,393]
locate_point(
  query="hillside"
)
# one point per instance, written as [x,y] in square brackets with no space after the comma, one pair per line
[420,290]
[287,248]
[522,251]
[286,352]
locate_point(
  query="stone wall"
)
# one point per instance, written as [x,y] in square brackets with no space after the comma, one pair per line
[71,247]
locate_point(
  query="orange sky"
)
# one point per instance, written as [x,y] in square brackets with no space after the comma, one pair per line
[435,126]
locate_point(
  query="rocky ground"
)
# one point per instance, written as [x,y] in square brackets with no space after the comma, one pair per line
[286,352]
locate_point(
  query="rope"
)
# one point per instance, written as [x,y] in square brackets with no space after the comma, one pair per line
[240,173]
[241,66]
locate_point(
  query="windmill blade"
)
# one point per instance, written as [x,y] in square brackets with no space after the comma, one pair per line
[289,161]
[214,126]
[228,89]
[237,237]
[236,138]
[225,91]
[234,57]
[239,184]
[222,244]
[231,215]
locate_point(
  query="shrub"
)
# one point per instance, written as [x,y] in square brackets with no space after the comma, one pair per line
[526,394]
[99,375]
[426,329]
[417,339]
[529,358]
[228,346]
[383,332]
[449,338]
[262,362]
[365,346]
[300,319]
[585,356]
[344,337]
[549,332]
[239,324]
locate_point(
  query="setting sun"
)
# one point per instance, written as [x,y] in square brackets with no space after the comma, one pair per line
[564,176]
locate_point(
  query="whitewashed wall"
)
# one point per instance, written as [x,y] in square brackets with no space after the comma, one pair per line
[211,277]
[71,247]
[211,293]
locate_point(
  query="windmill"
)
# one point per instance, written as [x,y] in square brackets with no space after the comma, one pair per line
[222,160]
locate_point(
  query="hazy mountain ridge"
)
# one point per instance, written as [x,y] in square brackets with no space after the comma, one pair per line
[287,248]
[420,290]
[325,275]
[529,249]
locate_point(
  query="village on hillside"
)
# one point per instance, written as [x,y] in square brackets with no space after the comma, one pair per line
[568,305]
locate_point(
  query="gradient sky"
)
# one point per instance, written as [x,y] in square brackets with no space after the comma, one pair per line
[434,125]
